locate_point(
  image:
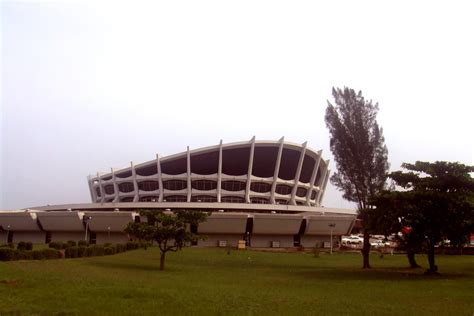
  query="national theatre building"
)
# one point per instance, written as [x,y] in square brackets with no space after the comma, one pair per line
[268,193]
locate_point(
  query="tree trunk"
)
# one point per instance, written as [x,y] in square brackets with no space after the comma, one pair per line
[411,259]
[366,251]
[433,269]
[162,261]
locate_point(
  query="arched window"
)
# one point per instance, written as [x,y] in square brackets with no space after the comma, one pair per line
[109,189]
[126,187]
[148,185]
[203,198]
[175,198]
[259,200]
[204,185]
[232,199]
[260,187]
[313,195]
[233,185]
[97,190]
[175,185]
[149,198]
[283,189]
[301,192]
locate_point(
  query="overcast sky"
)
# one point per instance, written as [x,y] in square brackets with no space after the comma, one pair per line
[87,86]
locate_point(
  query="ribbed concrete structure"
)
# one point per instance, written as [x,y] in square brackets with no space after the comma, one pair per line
[266,193]
[257,172]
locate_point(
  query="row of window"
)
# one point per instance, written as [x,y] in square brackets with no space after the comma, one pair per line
[204,198]
[205,185]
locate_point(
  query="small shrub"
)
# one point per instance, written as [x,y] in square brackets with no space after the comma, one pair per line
[120,248]
[83,243]
[57,245]
[71,243]
[132,245]
[95,250]
[72,252]
[24,255]
[38,255]
[107,244]
[7,254]
[29,245]
[81,251]
[50,253]
[109,251]
[21,245]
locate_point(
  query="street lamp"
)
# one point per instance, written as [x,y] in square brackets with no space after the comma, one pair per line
[8,233]
[87,220]
[331,226]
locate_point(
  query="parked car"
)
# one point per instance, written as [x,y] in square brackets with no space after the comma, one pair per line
[352,240]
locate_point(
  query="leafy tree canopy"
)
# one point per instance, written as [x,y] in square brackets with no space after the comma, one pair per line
[170,230]
[436,203]
[358,147]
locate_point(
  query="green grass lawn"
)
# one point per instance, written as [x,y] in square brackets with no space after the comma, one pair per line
[210,282]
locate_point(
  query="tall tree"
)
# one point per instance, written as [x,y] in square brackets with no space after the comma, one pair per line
[359,150]
[436,203]
[170,230]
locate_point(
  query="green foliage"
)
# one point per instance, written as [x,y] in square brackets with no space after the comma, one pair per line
[358,146]
[435,204]
[58,245]
[72,252]
[109,251]
[71,243]
[25,245]
[81,251]
[170,230]
[83,243]
[359,150]
[7,254]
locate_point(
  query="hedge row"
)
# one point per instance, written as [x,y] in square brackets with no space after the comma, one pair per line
[8,254]
[66,250]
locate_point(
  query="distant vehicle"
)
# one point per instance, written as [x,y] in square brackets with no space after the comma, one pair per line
[351,240]
[379,243]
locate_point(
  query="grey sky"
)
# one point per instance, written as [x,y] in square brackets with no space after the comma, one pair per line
[91,85]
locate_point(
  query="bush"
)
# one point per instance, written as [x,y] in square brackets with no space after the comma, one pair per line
[120,248]
[132,245]
[57,245]
[82,243]
[71,243]
[72,252]
[95,250]
[21,245]
[50,253]
[7,254]
[81,251]
[109,251]
[24,255]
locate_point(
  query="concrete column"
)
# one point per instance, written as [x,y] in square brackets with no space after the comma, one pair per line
[189,174]
[323,187]
[323,180]
[277,169]
[134,179]
[91,188]
[102,193]
[219,173]
[298,173]
[116,190]
[249,173]
[313,178]
[160,177]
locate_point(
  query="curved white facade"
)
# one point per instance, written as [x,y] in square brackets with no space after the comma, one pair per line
[252,172]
